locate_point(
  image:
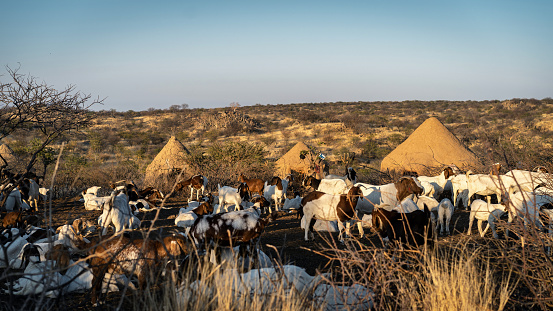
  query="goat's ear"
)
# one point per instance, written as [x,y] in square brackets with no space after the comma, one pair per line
[77,225]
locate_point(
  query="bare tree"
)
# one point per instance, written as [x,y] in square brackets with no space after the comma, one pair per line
[29,105]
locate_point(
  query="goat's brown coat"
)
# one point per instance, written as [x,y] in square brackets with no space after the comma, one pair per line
[142,258]
[406,186]
[255,185]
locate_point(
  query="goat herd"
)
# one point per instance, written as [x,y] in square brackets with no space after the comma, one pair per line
[78,257]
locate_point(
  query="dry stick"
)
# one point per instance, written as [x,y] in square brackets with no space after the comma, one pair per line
[39,305]
[148,235]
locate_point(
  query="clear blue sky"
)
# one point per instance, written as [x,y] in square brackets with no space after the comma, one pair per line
[142,54]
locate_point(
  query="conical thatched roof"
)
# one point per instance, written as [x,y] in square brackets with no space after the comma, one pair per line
[7,153]
[292,161]
[430,146]
[168,160]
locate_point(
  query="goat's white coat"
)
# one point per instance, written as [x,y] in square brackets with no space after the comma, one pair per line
[321,225]
[333,186]
[266,281]
[93,202]
[14,202]
[481,211]
[438,184]
[355,297]
[228,195]
[120,214]
[445,212]
[13,249]
[185,219]
[292,203]
[231,255]
[273,195]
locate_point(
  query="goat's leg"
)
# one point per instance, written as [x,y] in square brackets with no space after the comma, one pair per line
[360,228]
[509,221]
[348,225]
[447,220]
[471,219]
[485,230]
[341,229]
[454,196]
[307,218]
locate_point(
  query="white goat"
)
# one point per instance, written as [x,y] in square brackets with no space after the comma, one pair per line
[44,193]
[488,185]
[438,183]
[117,211]
[333,186]
[13,249]
[294,203]
[482,211]
[528,181]
[445,212]
[525,205]
[273,194]
[266,281]
[229,195]
[459,185]
[93,190]
[351,298]
[350,178]
[93,202]
[13,202]
[34,193]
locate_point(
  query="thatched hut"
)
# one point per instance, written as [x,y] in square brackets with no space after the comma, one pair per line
[170,160]
[429,147]
[8,155]
[301,159]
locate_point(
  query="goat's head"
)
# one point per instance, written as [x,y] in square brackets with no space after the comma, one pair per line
[242,178]
[176,245]
[496,169]
[82,226]
[354,194]
[410,173]
[351,174]
[448,172]
[244,191]
[406,186]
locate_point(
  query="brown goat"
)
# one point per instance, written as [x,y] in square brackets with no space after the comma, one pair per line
[196,182]
[255,185]
[142,258]
[410,228]
[13,220]
[151,194]
[204,209]
[61,255]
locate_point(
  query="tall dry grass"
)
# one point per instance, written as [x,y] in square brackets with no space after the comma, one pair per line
[203,285]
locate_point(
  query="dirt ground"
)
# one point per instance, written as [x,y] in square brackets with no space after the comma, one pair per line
[283,238]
